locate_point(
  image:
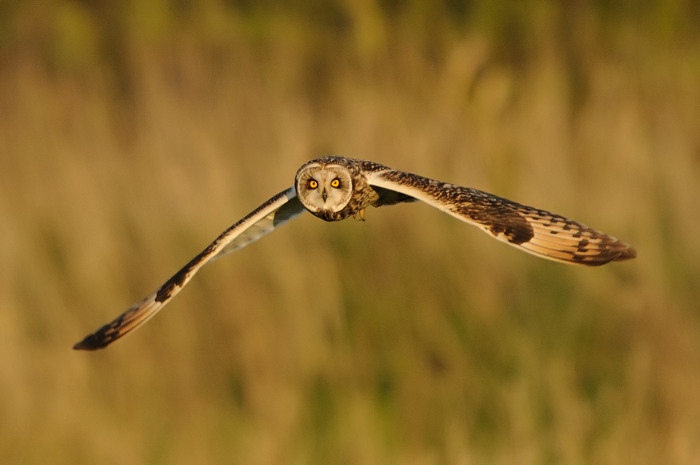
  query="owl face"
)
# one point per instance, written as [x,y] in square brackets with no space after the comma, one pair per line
[324,188]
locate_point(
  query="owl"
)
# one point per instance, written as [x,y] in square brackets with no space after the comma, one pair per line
[334,188]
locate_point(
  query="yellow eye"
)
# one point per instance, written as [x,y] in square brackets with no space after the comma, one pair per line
[313,184]
[335,182]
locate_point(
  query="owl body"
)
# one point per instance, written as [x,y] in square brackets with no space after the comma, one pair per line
[334,188]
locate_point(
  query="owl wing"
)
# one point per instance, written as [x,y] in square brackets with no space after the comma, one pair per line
[271,214]
[533,230]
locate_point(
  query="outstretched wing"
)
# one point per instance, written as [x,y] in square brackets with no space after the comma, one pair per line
[271,214]
[533,230]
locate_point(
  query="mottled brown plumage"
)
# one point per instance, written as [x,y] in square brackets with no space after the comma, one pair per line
[335,188]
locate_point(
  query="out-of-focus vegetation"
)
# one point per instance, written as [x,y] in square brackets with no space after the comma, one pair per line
[132,133]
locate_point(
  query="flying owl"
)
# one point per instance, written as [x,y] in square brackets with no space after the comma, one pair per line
[334,188]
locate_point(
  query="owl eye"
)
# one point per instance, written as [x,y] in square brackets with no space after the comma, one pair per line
[335,182]
[313,184]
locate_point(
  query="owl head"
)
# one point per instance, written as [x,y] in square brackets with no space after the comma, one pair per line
[324,187]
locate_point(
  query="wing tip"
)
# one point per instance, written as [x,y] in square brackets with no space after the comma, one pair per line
[92,342]
[622,253]
[626,254]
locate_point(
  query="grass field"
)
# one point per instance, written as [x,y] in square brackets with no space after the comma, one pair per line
[131,136]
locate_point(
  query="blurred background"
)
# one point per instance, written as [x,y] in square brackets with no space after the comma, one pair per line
[132,133]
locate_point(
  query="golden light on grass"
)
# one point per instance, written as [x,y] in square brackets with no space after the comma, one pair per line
[131,137]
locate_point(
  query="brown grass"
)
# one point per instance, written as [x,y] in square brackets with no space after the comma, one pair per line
[129,138]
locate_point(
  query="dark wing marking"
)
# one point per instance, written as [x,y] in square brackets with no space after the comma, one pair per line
[273,213]
[533,230]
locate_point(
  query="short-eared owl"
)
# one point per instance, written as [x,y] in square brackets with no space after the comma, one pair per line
[334,188]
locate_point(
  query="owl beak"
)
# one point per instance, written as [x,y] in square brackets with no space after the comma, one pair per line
[324,194]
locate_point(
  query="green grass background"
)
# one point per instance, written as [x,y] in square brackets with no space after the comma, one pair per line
[132,133]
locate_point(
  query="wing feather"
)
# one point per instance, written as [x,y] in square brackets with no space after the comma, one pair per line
[271,214]
[532,230]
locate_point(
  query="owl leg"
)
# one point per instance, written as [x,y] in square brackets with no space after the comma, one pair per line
[359,215]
